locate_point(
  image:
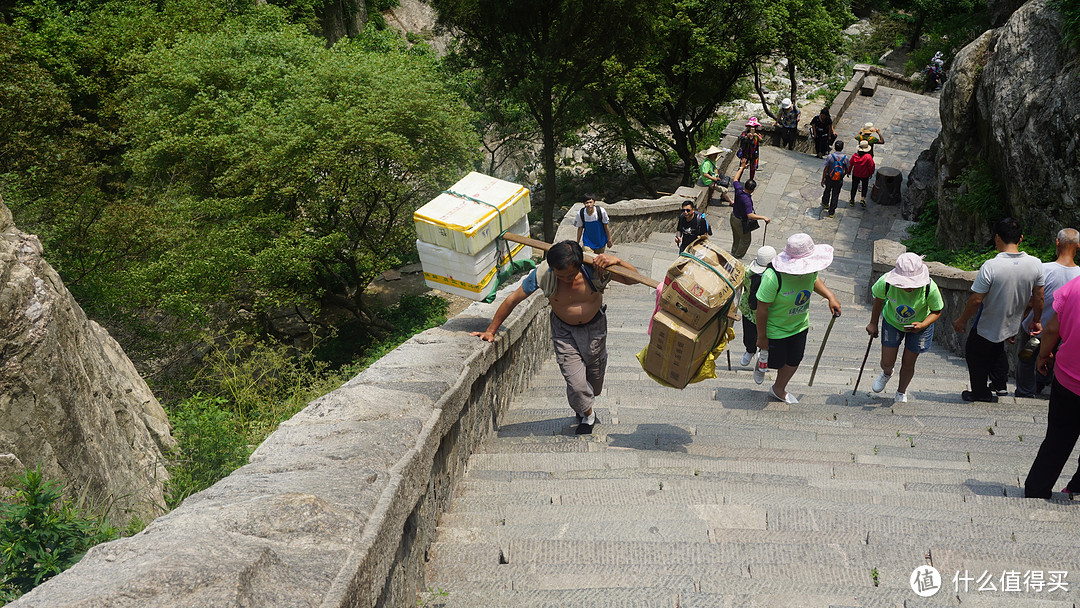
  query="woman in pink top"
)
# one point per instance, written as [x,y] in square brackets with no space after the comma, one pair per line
[1063,417]
[862,167]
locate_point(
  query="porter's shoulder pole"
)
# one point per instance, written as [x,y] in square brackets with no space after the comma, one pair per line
[619,270]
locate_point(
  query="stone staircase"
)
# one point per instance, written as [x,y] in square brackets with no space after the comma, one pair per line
[717,496]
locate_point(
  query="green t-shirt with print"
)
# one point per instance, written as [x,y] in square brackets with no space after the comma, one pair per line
[789,311]
[903,307]
[707,167]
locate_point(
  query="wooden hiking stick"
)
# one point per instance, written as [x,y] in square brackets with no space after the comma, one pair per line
[619,270]
[813,372]
[863,366]
[764,231]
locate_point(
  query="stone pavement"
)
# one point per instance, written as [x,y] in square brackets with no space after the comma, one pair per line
[717,496]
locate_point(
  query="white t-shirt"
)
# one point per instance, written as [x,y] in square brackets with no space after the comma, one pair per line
[1007,280]
[1055,276]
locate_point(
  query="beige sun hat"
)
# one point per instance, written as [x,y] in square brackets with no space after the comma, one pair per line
[712,150]
[864,146]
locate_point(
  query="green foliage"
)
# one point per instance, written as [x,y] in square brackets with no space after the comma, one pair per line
[982,194]
[211,444]
[42,534]
[889,31]
[1070,18]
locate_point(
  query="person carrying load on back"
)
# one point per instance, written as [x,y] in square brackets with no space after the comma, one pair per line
[748,304]
[837,165]
[783,310]
[592,225]
[690,226]
[912,303]
[862,167]
[578,320]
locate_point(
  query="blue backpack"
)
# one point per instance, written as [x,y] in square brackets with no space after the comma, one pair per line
[837,172]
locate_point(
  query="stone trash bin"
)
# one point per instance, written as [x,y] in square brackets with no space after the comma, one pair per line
[886,190]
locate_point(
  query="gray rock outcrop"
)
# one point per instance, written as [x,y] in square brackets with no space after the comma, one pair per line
[70,399]
[1011,101]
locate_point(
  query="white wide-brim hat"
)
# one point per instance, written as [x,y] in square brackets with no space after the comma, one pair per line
[785,103]
[910,272]
[764,256]
[712,150]
[864,146]
[802,256]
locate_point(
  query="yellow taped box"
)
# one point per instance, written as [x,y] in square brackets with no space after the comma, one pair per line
[693,293]
[676,351]
[455,219]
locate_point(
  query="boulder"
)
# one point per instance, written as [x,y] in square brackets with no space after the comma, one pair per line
[921,182]
[71,402]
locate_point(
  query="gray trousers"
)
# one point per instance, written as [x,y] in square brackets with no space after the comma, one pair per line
[740,241]
[581,351]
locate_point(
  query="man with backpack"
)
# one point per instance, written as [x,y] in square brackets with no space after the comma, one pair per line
[592,226]
[837,165]
[691,225]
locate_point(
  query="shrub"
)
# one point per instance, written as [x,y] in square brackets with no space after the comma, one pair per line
[211,444]
[42,534]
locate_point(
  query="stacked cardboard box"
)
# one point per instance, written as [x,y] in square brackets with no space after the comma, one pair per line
[698,303]
[458,230]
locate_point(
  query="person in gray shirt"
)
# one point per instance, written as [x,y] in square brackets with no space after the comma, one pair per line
[1062,270]
[1003,288]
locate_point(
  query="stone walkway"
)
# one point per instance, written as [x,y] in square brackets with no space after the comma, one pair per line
[717,496]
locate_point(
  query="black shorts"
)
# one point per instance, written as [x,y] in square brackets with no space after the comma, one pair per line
[787,351]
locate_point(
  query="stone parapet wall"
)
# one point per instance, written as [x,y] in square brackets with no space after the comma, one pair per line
[339,506]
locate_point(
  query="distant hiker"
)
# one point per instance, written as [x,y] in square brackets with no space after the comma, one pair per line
[788,123]
[750,144]
[862,167]
[691,225]
[912,303]
[1003,287]
[751,282]
[783,309]
[1029,381]
[578,320]
[743,217]
[592,226]
[821,130]
[837,165]
[709,173]
[1063,416]
[871,135]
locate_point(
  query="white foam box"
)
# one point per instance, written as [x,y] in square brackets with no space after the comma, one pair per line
[469,276]
[454,221]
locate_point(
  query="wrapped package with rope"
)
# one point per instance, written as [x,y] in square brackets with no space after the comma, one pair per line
[697,305]
[459,245]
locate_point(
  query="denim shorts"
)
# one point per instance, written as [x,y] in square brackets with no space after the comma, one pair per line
[917,342]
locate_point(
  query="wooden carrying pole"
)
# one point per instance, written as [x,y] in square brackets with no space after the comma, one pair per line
[619,270]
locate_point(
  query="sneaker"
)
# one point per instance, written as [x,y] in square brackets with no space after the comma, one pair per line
[900,398]
[862,202]
[969,396]
[880,382]
[746,359]
[586,429]
[824,205]
[852,204]
[1001,392]
[759,372]
[788,398]
[832,214]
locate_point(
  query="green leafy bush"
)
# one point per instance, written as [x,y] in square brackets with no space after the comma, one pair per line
[211,444]
[42,534]
[1070,17]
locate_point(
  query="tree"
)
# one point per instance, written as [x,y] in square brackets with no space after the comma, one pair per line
[288,172]
[688,60]
[544,55]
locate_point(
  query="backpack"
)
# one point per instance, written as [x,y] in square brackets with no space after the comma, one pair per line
[755,282]
[837,172]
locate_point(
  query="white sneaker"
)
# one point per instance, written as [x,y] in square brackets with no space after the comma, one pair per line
[880,382]
[747,358]
[900,398]
[759,373]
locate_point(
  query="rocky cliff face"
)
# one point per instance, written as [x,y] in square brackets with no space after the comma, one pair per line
[1012,101]
[70,400]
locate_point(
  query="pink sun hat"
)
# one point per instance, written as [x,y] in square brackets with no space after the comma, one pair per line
[802,256]
[753,122]
[910,272]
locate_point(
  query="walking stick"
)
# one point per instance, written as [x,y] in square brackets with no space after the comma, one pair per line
[813,372]
[729,360]
[863,366]
[764,231]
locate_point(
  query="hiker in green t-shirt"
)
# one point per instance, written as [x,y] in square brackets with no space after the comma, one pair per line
[911,302]
[709,173]
[783,309]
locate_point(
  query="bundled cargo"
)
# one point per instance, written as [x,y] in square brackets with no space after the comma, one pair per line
[701,284]
[472,213]
[676,351]
[470,276]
